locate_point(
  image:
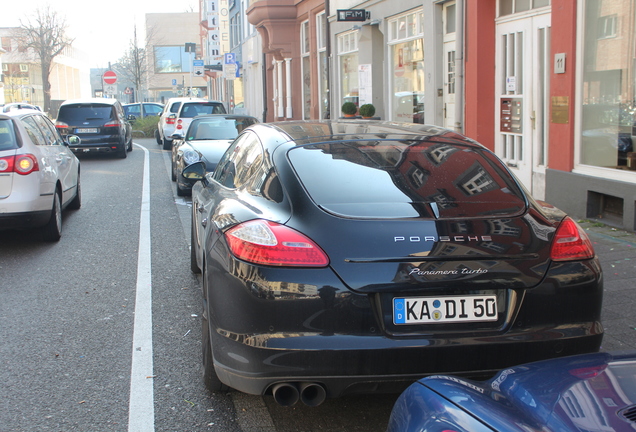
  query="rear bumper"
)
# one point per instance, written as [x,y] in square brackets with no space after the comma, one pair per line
[376,364]
[24,220]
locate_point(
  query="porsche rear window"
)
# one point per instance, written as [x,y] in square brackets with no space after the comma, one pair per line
[7,136]
[406,179]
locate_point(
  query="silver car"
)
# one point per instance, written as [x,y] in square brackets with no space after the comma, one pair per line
[39,174]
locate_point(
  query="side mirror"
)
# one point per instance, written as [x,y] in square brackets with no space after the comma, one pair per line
[195,171]
[177,135]
[131,117]
[73,140]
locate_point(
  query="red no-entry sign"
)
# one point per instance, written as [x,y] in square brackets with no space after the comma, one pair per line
[110,77]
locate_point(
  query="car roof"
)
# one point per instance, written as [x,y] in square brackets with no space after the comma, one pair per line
[19,112]
[227,116]
[190,99]
[105,101]
[13,106]
[145,103]
[314,131]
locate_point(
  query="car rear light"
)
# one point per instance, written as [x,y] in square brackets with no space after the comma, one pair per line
[571,242]
[113,124]
[588,372]
[171,119]
[269,243]
[21,164]
[61,125]
[179,124]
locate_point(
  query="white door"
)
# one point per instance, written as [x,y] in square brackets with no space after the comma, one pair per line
[449,65]
[522,86]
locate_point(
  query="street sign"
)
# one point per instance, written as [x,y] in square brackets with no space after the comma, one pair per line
[110,89]
[229,71]
[230,58]
[110,77]
[198,67]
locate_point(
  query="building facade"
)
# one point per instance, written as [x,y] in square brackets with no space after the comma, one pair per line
[22,74]
[556,103]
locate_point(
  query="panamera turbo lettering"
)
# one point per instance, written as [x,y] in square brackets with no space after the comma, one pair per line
[459,238]
[419,272]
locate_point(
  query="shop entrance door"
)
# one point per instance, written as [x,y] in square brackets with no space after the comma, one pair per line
[522,86]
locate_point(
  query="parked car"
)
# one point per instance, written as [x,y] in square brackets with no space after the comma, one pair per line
[17,106]
[589,392]
[133,111]
[206,140]
[179,112]
[99,122]
[39,175]
[357,256]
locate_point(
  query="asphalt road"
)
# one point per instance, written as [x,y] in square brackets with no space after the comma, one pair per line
[76,340]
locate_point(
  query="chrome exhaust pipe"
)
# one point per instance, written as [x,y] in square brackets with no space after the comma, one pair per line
[285,394]
[312,394]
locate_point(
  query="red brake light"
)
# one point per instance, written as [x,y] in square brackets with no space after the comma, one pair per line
[61,125]
[588,372]
[179,125]
[571,242]
[21,164]
[171,119]
[268,243]
[112,124]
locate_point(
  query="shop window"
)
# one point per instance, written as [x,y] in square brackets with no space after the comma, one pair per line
[171,59]
[607,126]
[348,67]
[406,39]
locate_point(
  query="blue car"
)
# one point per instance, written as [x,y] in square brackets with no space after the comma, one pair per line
[589,392]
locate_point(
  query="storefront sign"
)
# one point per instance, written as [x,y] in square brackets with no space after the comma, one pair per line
[353,15]
[560,109]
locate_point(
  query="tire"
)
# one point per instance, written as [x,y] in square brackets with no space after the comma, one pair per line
[194,266]
[122,152]
[77,200]
[167,144]
[174,172]
[182,192]
[210,378]
[158,137]
[130,145]
[52,231]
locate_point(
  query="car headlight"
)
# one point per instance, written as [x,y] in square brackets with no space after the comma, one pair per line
[191,156]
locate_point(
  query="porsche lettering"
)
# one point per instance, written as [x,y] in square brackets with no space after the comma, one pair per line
[458,238]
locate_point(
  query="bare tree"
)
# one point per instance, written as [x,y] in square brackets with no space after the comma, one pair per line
[45,33]
[135,65]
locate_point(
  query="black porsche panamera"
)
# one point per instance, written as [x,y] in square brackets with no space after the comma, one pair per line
[355,256]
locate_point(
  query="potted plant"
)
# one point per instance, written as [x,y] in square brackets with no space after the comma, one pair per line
[367,111]
[349,109]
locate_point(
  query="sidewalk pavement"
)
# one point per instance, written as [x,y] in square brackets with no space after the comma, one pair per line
[616,250]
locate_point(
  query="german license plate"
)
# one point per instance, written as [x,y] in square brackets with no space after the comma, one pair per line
[432,310]
[86,130]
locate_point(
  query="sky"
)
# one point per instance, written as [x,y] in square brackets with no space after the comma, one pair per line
[101,29]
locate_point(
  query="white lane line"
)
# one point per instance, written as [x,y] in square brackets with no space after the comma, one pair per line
[141,410]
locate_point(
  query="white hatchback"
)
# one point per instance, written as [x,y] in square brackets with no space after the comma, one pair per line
[39,174]
[179,112]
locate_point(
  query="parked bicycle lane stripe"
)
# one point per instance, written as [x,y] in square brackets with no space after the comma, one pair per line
[141,414]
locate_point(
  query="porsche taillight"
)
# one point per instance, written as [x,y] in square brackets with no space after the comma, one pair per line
[571,242]
[268,243]
[20,164]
